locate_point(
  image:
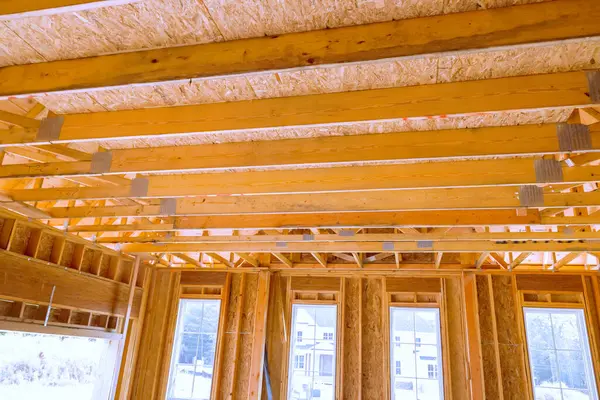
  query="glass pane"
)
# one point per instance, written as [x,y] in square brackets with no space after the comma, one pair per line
[428,390]
[547,394]
[544,368]
[427,361]
[539,330]
[37,366]
[572,369]
[415,352]
[403,325]
[405,389]
[563,370]
[312,353]
[566,331]
[194,351]
[426,327]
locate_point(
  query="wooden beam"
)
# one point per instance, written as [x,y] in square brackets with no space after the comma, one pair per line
[259,337]
[414,200]
[517,261]
[533,140]
[514,93]
[454,174]
[367,237]
[220,259]
[461,31]
[10,10]
[565,260]
[249,259]
[283,259]
[482,258]
[438,259]
[365,247]
[321,259]
[341,220]
[358,258]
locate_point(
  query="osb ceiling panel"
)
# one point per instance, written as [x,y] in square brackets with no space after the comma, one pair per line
[163,23]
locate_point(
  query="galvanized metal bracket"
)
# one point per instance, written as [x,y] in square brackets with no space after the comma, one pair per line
[101,162]
[593,78]
[531,196]
[573,137]
[49,129]
[139,187]
[168,206]
[548,171]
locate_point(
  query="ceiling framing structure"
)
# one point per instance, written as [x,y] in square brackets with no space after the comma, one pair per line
[241,153]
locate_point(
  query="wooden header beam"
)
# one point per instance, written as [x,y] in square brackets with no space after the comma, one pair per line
[10,9]
[388,200]
[533,140]
[453,174]
[570,89]
[532,23]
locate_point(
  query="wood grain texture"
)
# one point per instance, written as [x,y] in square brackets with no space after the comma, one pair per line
[470,30]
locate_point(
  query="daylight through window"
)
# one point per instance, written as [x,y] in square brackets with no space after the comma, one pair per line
[312,352]
[559,354]
[416,353]
[193,358]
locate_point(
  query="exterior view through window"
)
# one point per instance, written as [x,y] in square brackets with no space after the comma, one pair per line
[416,354]
[193,359]
[559,354]
[312,352]
[55,367]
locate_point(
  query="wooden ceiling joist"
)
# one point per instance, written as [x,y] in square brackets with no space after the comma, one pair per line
[344,220]
[507,141]
[385,200]
[470,30]
[364,247]
[568,89]
[371,237]
[10,10]
[452,174]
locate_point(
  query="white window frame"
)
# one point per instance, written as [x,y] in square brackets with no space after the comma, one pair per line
[418,344]
[178,338]
[585,343]
[307,358]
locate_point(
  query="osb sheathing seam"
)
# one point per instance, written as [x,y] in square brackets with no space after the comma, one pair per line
[373,350]
[166,23]
[351,377]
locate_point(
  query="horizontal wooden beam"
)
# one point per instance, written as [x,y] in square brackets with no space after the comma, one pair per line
[569,89]
[34,8]
[30,279]
[362,247]
[452,174]
[506,141]
[341,220]
[349,236]
[549,21]
[388,200]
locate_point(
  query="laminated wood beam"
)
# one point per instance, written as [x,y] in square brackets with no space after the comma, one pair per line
[549,21]
[508,141]
[343,220]
[413,200]
[366,247]
[33,8]
[369,237]
[453,174]
[569,89]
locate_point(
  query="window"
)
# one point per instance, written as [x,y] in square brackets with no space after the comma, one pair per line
[416,352]
[193,357]
[432,371]
[299,337]
[559,354]
[316,378]
[55,367]
[299,362]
